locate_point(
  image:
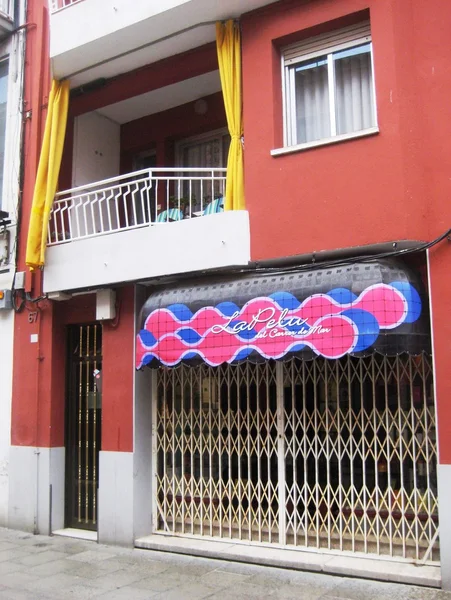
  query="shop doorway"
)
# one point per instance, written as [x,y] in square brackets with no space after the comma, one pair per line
[83,425]
[336,455]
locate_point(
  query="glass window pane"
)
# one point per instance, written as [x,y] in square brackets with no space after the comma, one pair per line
[208,152]
[354,94]
[312,101]
[365,48]
[225,149]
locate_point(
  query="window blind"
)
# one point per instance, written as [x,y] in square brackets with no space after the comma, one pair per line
[324,43]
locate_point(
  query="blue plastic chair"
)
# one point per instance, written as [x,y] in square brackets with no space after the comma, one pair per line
[173,214]
[215,206]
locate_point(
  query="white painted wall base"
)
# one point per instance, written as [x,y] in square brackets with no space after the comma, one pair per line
[115,500]
[6,365]
[36,489]
[36,493]
[444,515]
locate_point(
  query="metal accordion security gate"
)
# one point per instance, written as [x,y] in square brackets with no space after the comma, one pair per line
[337,455]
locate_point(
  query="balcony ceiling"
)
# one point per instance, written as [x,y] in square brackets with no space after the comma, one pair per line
[163,98]
[98,39]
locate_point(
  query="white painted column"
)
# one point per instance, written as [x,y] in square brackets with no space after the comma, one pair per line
[444,515]
[125,486]
[142,460]
[115,498]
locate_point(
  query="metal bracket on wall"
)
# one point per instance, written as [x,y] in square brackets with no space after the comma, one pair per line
[6,299]
[4,247]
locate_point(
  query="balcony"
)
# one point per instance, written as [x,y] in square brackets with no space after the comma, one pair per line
[93,39]
[148,223]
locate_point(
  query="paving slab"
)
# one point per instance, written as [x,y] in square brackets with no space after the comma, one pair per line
[10,566]
[60,568]
[41,558]
[129,594]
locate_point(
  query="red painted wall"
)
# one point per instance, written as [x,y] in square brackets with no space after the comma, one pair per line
[367,190]
[38,408]
[395,185]
[31,404]
[39,394]
[38,403]
[118,339]
[162,129]
[39,383]
[390,186]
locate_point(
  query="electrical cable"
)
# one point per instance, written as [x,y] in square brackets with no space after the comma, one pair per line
[114,323]
[357,258]
[35,300]
[17,308]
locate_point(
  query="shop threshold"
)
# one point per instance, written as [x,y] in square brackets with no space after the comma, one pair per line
[370,567]
[79,534]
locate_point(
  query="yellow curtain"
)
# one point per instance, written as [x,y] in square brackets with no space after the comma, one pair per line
[48,173]
[228,44]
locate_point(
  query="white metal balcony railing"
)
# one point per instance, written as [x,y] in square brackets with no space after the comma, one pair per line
[144,198]
[59,4]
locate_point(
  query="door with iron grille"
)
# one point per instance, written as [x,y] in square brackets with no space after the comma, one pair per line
[333,455]
[83,423]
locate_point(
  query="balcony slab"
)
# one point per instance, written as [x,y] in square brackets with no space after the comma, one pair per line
[203,243]
[97,38]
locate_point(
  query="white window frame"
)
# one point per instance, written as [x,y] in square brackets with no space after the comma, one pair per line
[323,46]
[199,202]
[181,145]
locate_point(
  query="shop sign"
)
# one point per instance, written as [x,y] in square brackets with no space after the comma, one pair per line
[328,324]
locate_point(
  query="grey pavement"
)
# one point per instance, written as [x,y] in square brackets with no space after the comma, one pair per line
[36,567]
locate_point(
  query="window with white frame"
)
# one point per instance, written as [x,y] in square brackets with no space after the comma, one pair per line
[206,150]
[329,86]
[209,150]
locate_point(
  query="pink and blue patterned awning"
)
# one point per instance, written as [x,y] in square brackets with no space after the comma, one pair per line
[357,309]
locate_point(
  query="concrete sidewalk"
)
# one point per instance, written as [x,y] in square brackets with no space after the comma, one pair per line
[59,568]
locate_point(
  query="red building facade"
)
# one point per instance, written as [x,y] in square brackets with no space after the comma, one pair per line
[345,139]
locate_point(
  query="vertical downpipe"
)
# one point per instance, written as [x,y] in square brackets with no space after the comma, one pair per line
[37,452]
[50,508]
